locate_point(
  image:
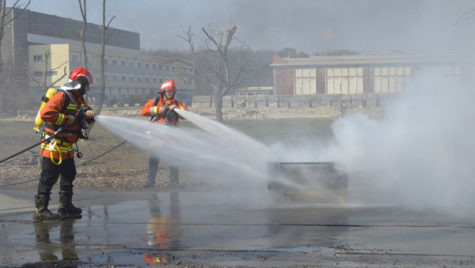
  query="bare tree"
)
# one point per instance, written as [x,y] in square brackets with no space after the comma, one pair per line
[198,77]
[105,38]
[82,34]
[7,17]
[223,79]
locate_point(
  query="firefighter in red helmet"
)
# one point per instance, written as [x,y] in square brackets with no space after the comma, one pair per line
[66,114]
[161,110]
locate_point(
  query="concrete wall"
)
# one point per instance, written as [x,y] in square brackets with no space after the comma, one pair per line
[289,101]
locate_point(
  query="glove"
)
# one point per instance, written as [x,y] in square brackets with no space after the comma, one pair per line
[90,114]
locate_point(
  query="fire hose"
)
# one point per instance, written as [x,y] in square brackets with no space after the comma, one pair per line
[32,146]
[80,164]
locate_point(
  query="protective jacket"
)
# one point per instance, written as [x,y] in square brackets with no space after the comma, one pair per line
[55,114]
[151,108]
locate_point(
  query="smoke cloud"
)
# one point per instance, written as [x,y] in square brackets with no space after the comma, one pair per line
[421,154]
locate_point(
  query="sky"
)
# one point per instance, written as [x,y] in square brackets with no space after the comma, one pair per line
[310,26]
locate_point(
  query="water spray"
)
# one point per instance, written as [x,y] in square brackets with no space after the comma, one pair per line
[226,155]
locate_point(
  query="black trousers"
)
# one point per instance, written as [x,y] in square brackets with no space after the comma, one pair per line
[50,174]
[153,168]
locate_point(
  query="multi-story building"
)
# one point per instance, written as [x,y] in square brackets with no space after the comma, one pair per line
[48,47]
[363,73]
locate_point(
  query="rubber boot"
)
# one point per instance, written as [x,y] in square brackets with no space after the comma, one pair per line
[150,183]
[66,208]
[173,176]
[152,173]
[42,213]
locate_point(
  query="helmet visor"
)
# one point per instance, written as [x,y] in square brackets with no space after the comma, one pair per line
[170,92]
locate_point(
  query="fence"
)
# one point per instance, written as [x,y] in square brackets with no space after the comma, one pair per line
[289,101]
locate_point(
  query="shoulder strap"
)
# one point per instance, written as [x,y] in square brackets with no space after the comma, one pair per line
[69,96]
[155,102]
[65,105]
[157,99]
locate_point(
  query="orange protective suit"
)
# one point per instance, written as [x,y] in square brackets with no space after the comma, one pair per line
[55,114]
[150,109]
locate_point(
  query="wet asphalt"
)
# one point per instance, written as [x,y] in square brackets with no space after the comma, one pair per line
[233,228]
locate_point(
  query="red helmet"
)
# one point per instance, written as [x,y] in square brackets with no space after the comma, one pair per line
[81,72]
[168,85]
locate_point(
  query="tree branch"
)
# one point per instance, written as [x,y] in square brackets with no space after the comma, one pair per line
[59,79]
[218,47]
[107,27]
[16,15]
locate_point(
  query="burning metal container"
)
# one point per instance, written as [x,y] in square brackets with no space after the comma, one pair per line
[307,180]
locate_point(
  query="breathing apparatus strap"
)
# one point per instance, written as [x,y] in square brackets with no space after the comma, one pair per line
[70,97]
[155,102]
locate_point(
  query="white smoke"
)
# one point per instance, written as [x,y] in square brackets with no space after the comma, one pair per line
[421,154]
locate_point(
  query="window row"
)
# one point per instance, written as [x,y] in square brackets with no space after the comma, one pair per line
[131,78]
[338,72]
[392,71]
[40,73]
[345,85]
[134,64]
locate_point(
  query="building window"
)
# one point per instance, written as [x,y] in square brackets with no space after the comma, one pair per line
[114,62]
[37,57]
[131,64]
[306,81]
[147,79]
[131,78]
[390,79]
[106,61]
[122,63]
[122,78]
[154,66]
[154,79]
[74,58]
[139,79]
[52,73]
[345,80]
[147,65]
[452,71]
[139,65]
